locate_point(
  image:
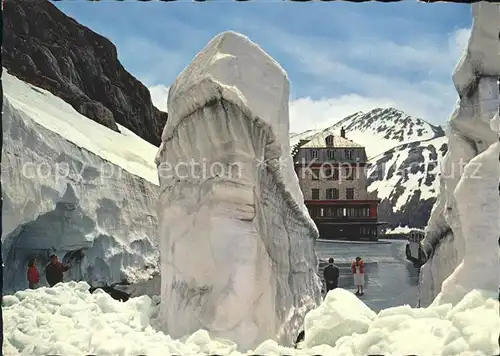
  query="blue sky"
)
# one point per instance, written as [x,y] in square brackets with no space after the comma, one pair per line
[341,57]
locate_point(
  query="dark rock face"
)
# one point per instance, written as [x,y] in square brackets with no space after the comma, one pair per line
[46,48]
[114,293]
[389,123]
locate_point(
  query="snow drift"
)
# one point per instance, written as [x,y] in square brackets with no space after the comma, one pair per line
[462,233]
[74,188]
[237,243]
[67,320]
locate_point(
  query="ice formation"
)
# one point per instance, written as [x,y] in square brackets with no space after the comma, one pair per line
[237,243]
[462,233]
[91,201]
[67,320]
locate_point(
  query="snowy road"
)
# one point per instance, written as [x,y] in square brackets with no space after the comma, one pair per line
[390,279]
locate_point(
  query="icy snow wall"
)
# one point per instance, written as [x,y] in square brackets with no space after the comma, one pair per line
[237,242]
[462,233]
[65,191]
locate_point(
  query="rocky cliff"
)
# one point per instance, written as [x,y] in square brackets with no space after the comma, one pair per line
[46,48]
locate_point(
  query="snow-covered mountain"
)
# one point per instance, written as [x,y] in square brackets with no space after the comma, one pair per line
[404,152]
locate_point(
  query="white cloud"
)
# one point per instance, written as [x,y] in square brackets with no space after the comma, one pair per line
[356,75]
[431,97]
[306,113]
[159,96]
[459,41]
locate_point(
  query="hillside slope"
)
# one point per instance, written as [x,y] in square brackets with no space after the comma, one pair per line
[44,47]
[405,153]
[380,130]
[406,180]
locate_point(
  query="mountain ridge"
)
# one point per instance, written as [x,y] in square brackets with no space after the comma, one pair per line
[45,47]
[404,152]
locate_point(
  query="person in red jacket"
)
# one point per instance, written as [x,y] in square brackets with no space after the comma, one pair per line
[358,272]
[33,275]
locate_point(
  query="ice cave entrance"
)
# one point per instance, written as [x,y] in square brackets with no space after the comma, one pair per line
[62,231]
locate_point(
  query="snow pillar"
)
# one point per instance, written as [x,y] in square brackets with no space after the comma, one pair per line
[237,243]
[464,226]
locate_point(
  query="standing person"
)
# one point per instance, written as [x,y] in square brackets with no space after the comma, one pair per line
[32,274]
[331,274]
[358,271]
[54,271]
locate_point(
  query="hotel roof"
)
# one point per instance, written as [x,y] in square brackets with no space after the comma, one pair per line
[319,141]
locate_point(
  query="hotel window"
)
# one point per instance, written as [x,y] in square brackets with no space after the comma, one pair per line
[315,194]
[348,154]
[349,193]
[332,194]
[331,155]
[315,174]
[349,173]
[335,174]
[327,173]
[314,153]
[329,140]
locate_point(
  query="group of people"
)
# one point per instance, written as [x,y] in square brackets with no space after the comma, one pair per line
[331,274]
[53,272]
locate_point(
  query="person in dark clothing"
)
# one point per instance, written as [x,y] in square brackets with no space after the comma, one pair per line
[300,338]
[331,274]
[32,274]
[54,271]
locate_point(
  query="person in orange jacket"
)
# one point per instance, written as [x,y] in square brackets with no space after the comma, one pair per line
[358,272]
[33,275]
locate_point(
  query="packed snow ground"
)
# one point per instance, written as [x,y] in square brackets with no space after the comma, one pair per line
[68,320]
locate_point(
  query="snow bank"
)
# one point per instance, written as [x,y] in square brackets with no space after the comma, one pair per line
[67,320]
[462,233]
[76,188]
[237,242]
[398,230]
